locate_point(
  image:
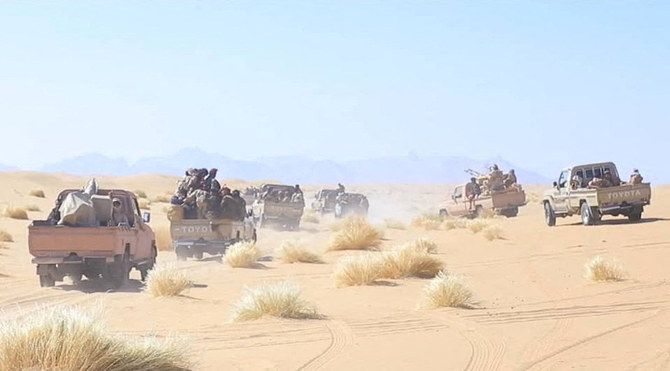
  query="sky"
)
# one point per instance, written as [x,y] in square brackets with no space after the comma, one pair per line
[543,84]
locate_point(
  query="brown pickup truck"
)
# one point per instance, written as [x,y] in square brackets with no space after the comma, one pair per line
[96,248]
[576,194]
[505,203]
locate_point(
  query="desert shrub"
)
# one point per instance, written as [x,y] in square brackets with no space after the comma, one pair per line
[394,224]
[447,291]
[486,213]
[163,237]
[428,222]
[15,212]
[143,203]
[310,218]
[454,223]
[166,280]
[243,255]
[492,232]
[358,270]
[356,234]
[337,225]
[477,225]
[3,246]
[600,270]
[295,251]
[162,198]
[424,244]
[409,261]
[140,194]
[37,193]
[280,299]
[33,208]
[5,236]
[65,338]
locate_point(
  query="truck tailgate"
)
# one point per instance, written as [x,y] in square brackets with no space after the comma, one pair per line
[84,241]
[195,229]
[273,209]
[627,193]
[509,199]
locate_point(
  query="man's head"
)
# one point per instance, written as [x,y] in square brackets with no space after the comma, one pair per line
[297,186]
[225,191]
[473,180]
[116,203]
[636,171]
[511,171]
[236,193]
[213,171]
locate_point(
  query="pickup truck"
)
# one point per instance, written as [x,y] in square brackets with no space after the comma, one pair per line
[277,205]
[324,201]
[96,248]
[506,202]
[575,194]
[351,203]
[193,237]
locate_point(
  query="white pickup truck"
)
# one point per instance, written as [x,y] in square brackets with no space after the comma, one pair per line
[575,194]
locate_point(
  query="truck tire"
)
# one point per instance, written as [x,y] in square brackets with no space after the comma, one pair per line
[181,252]
[588,217]
[47,281]
[443,214]
[510,213]
[479,211]
[119,271]
[144,271]
[549,215]
[635,214]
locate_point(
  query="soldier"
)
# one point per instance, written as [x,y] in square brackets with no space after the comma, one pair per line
[54,215]
[608,180]
[495,178]
[210,183]
[119,217]
[635,177]
[229,207]
[297,194]
[472,191]
[241,205]
[576,182]
[340,188]
[510,179]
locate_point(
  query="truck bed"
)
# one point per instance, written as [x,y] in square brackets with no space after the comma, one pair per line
[505,200]
[59,240]
[632,194]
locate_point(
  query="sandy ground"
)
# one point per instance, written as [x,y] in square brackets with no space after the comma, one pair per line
[536,310]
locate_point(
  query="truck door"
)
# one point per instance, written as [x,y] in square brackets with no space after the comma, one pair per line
[561,192]
[458,206]
[143,235]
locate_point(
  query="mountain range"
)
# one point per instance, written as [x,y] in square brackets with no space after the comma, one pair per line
[294,169]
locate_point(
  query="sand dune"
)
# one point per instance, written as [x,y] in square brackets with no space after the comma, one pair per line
[535,307]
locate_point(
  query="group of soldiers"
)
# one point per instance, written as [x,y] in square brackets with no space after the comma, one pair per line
[494,181]
[607,180]
[293,195]
[202,196]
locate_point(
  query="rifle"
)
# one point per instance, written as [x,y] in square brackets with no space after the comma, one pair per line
[473,173]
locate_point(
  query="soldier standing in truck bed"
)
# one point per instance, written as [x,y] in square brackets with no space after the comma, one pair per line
[635,177]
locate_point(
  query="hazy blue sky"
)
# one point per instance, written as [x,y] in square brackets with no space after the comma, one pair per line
[540,83]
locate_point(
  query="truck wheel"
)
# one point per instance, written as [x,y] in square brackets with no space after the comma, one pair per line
[479,212]
[510,213]
[549,215]
[181,252]
[47,281]
[587,215]
[635,214]
[197,254]
[121,271]
[443,214]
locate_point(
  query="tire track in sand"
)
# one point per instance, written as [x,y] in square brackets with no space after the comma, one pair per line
[341,338]
[486,352]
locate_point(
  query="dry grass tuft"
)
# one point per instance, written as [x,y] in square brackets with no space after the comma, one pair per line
[163,237]
[600,270]
[336,226]
[37,193]
[281,299]
[394,224]
[144,203]
[409,260]
[3,246]
[487,213]
[63,338]
[5,236]
[33,208]
[162,198]
[447,291]
[356,234]
[243,255]
[295,251]
[454,223]
[424,244]
[477,225]
[15,213]
[429,222]
[310,217]
[358,270]
[140,194]
[166,280]
[493,232]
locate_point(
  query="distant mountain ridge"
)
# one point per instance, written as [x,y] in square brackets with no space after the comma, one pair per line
[392,169]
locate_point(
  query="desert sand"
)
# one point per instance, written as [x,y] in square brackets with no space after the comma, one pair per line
[535,309]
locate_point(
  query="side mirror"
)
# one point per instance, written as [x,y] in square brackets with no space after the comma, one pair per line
[146,216]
